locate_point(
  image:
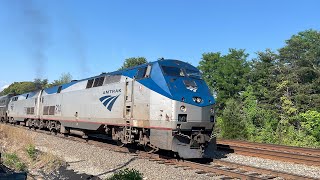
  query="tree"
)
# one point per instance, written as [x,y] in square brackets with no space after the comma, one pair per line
[37,84]
[311,123]
[225,74]
[300,60]
[19,88]
[64,78]
[40,84]
[231,122]
[133,61]
[262,77]
[26,86]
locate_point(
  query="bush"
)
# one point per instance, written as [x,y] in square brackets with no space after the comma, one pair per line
[12,160]
[31,150]
[231,124]
[311,123]
[127,174]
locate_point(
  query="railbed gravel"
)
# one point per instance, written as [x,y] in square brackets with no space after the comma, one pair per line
[298,169]
[85,158]
[89,159]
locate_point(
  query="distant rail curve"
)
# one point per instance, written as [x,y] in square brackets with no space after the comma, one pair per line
[308,156]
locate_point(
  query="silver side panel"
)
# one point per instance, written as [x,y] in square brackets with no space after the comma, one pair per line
[141,102]
[161,116]
[18,109]
[85,108]
[4,101]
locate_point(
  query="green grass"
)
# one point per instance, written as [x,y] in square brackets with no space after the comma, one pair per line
[31,151]
[127,174]
[12,160]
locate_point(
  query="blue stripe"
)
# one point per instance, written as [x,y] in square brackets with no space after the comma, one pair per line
[107,101]
[112,102]
[103,98]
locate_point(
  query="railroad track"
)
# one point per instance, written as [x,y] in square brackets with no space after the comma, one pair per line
[218,168]
[308,156]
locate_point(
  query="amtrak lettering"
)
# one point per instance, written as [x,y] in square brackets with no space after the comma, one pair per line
[111,91]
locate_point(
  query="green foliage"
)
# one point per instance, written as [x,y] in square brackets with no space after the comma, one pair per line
[24,87]
[127,174]
[64,78]
[266,134]
[300,66]
[133,61]
[225,74]
[287,134]
[263,79]
[37,84]
[19,88]
[231,123]
[40,84]
[310,122]
[275,98]
[12,160]
[31,151]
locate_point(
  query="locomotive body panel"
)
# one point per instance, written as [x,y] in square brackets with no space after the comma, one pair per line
[4,102]
[141,102]
[87,108]
[24,106]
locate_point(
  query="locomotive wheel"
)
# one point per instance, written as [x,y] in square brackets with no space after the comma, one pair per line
[119,143]
[53,132]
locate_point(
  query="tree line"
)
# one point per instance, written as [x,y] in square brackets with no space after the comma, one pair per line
[29,86]
[272,98]
[37,84]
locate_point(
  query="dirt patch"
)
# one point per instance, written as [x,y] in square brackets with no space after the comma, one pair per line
[19,154]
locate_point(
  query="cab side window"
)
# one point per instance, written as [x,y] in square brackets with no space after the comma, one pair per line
[143,72]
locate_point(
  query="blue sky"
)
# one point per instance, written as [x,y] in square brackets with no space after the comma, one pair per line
[45,38]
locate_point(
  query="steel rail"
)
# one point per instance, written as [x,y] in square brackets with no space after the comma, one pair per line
[274,155]
[292,149]
[261,170]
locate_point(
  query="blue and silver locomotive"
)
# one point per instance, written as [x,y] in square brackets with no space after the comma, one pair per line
[161,105]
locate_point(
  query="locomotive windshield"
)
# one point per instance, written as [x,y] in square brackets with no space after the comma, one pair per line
[193,73]
[173,71]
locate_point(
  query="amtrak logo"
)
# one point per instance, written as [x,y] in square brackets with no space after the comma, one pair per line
[108,101]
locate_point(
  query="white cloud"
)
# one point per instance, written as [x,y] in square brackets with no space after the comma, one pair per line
[3,87]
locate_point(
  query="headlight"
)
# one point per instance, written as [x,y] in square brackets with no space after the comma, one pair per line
[183,108]
[197,99]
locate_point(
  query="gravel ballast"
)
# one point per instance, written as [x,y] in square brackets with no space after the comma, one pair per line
[85,158]
[103,163]
[299,169]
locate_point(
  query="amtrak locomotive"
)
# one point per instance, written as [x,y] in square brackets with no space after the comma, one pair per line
[161,105]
